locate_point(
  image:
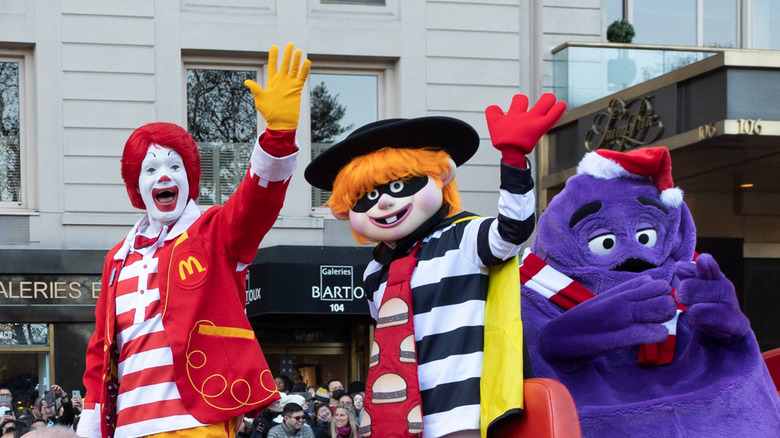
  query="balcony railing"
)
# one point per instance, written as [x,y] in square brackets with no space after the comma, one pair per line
[584,72]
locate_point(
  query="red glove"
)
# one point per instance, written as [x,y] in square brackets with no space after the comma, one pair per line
[516,133]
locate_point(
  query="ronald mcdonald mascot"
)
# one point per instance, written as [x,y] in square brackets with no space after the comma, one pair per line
[173,354]
[394,180]
[648,337]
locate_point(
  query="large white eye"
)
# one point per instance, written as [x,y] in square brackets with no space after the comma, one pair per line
[396,186]
[647,237]
[602,244]
[373,195]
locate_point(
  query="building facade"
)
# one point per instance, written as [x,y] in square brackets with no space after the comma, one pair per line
[78,76]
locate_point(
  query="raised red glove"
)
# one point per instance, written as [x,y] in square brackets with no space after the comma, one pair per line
[516,133]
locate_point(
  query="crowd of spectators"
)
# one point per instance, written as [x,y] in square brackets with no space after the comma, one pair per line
[54,414]
[327,411]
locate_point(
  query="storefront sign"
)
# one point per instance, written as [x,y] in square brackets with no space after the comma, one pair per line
[624,125]
[305,280]
[49,289]
[308,289]
[337,285]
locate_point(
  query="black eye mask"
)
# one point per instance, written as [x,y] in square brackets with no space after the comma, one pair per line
[396,189]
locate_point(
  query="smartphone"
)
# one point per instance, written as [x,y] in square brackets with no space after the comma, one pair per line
[75,393]
[49,397]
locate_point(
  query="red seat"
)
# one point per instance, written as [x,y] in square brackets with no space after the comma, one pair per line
[772,360]
[549,412]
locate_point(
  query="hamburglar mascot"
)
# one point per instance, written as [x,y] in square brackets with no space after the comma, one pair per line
[648,338]
[394,180]
[173,353]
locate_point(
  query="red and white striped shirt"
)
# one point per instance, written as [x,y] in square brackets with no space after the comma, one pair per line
[148,400]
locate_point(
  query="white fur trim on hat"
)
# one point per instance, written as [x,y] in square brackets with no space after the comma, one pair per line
[600,167]
[672,197]
[605,167]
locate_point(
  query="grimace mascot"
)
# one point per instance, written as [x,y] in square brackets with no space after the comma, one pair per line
[394,180]
[648,338]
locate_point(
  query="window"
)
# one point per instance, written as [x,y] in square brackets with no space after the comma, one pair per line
[222,118]
[26,352]
[719,23]
[614,11]
[706,23]
[668,22]
[12,136]
[341,101]
[766,24]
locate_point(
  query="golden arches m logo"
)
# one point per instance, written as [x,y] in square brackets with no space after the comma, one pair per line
[190,266]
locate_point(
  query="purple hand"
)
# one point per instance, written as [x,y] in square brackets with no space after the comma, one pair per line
[712,303]
[627,315]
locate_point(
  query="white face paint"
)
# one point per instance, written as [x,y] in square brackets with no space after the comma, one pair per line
[163,186]
[393,218]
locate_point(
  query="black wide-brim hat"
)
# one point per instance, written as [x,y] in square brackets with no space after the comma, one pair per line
[451,135]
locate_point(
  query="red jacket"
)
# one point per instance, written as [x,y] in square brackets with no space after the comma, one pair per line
[202,278]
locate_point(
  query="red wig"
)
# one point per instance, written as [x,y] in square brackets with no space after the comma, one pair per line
[162,134]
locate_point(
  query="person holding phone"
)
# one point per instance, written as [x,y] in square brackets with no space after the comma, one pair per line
[321,427]
[6,412]
[78,402]
[265,421]
[56,407]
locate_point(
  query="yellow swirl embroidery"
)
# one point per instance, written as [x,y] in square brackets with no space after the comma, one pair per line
[209,328]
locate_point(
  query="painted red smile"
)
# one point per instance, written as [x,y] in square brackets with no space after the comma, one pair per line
[392,219]
[165,199]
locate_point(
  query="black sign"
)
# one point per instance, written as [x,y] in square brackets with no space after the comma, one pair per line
[308,280]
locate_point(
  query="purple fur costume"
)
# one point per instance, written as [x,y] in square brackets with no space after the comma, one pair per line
[716,385]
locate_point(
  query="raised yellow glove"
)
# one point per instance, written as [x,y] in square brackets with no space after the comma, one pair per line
[280,102]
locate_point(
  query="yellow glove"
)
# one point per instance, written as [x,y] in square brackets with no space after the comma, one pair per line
[280,102]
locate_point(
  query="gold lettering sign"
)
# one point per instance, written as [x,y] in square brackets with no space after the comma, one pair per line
[707,131]
[49,289]
[95,290]
[749,126]
[188,265]
[624,125]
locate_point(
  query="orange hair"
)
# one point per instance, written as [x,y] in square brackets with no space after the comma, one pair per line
[365,172]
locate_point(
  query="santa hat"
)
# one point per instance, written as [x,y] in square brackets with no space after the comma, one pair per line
[654,163]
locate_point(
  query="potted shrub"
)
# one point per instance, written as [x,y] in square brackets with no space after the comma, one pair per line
[621,70]
[620,31]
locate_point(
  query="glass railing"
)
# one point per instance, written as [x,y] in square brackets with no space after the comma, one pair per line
[584,72]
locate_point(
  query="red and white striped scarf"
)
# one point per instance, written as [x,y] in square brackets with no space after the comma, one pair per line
[538,276]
